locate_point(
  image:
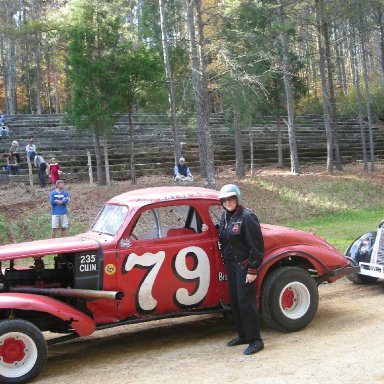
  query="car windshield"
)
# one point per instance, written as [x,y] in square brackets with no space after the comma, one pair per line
[110,219]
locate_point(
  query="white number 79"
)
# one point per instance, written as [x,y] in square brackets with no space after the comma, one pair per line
[154,261]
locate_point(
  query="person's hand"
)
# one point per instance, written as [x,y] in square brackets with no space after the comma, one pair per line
[204,228]
[250,278]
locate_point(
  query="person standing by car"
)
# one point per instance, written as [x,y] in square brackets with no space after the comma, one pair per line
[59,200]
[242,247]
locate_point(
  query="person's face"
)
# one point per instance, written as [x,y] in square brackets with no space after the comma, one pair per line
[229,203]
[60,185]
[182,162]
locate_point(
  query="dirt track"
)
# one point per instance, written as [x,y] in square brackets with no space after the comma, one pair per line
[343,344]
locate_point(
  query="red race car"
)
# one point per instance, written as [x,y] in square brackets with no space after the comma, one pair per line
[146,258]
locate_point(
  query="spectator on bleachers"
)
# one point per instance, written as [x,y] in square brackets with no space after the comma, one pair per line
[42,165]
[12,165]
[15,150]
[5,131]
[2,118]
[54,169]
[182,172]
[31,150]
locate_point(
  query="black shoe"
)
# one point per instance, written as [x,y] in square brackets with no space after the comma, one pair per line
[236,341]
[254,347]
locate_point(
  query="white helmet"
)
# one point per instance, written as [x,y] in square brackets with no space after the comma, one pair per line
[230,190]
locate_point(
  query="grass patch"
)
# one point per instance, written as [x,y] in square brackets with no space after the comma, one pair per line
[341,229]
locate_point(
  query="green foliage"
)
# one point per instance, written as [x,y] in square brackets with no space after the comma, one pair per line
[109,73]
[342,228]
[348,107]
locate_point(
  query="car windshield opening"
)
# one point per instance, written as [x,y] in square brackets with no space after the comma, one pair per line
[110,219]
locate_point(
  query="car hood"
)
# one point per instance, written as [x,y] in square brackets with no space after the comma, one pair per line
[84,242]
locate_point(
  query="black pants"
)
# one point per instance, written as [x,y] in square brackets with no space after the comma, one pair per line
[243,302]
[42,168]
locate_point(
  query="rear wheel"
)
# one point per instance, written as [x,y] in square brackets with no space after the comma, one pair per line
[23,351]
[289,299]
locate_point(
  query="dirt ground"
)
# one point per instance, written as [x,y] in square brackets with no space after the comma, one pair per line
[343,344]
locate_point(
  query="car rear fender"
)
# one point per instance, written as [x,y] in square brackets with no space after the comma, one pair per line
[301,259]
[81,323]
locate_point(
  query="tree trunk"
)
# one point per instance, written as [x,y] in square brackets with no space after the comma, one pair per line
[56,82]
[206,104]
[356,81]
[169,80]
[38,59]
[99,161]
[366,86]
[11,61]
[106,160]
[332,99]
[238,141]
[196,87]
[5,74]
[201,95]
[327,124]
[48,82]
[295,167]
[280,157]
[90,170]
[132,144]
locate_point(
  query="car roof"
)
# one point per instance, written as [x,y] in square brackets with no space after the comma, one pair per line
[158,194]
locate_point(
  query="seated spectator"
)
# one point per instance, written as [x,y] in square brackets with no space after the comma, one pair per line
[182,172]
[31,150]
[4,131]
[15,150]
[54,170]
[12,165]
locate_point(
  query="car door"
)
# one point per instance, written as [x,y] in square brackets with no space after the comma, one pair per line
[167,264]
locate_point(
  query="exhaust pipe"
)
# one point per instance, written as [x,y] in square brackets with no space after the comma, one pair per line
[71,292]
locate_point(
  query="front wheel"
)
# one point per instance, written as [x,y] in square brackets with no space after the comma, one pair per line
[23,351]
[289,299]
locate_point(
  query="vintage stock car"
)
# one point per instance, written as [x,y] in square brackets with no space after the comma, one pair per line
[146,258]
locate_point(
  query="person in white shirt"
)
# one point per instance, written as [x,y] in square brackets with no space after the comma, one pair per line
[31,150]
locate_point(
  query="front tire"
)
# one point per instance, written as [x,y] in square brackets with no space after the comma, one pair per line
[289,299]
[23,351]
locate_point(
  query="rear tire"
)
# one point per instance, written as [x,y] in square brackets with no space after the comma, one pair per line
[289,299]
[23,351]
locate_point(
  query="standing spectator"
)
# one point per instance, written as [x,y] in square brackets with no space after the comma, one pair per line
[1,117]
[242,247]
[15,150]
[40,162]
[31,150]
[182,172]
[54,169]
[59,200]
[12,165]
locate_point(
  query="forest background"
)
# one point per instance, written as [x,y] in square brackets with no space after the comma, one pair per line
[95,60]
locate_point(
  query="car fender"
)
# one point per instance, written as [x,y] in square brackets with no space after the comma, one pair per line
[272,259]
[81,323]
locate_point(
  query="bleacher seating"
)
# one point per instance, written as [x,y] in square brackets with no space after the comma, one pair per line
[153,142]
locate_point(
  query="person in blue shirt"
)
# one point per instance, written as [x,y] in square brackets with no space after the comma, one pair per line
[59,200]
[182,172]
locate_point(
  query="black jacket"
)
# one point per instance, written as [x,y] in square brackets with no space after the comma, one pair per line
[241,239]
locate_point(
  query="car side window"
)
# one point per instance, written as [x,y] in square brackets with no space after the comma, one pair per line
[215,211]
[169,221]
[146,226]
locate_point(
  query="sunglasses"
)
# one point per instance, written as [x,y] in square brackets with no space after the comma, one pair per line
[229,198]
